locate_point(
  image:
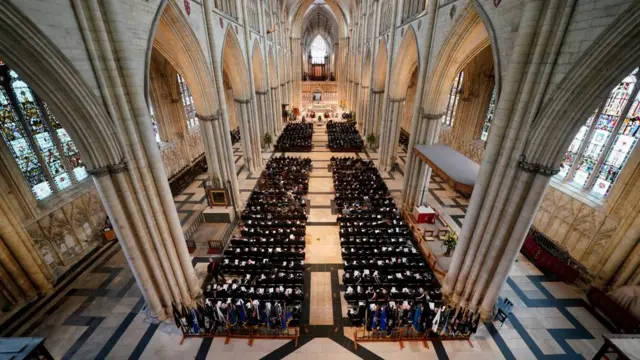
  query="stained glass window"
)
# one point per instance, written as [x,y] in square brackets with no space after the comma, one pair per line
[187,103]
[601,147]
[452,104]
[43,150]
[156,133]
[318,50]
[487,120]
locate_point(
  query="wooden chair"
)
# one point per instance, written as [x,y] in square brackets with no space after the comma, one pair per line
[428,235]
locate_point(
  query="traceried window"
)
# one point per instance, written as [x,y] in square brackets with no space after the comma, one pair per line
[452,104]
[187,103]
[489,118]
[319,50]
[154,123]
[602,146]
[43,150]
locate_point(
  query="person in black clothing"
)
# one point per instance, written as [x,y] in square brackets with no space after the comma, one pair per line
[214,271]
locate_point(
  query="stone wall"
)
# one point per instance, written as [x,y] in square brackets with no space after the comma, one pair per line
[178,155]
[64,235]
[473,149]
[584,231]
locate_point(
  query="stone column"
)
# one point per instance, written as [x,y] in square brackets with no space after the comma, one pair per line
[254,153]
[364,108]
[375,113]
[384,141]
[426,129]
[211,148]
[114,190]
[509,187]
[221,126]
[277,116]
[391,132]
[25,274]
[263,115]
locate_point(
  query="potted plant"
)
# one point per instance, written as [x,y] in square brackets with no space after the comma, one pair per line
[371,140]
[450,241]
[267,140]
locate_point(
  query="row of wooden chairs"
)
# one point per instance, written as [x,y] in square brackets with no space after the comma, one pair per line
[439,234]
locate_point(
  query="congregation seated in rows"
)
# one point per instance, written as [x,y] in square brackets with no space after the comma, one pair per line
[382,265]
[344,137]
[295,137]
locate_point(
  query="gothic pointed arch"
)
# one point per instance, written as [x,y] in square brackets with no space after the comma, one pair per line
[469,36]
[404,65]
[259,72]
[380,67]
[28,51]
[234,66]
[175,40]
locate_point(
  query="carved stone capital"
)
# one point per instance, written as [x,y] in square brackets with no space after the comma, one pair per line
[98,172]
[261,92]
[433,116]
[381,91]
[242,101]
[213,117]
[536,168]
[117,168]
[397,100]
[274,88]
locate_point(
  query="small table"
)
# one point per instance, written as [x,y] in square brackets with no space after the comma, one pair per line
[627,346]
[425,215]
[18,348]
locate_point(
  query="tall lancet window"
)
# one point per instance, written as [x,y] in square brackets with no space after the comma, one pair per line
[319,50]
[187,103]
[46,156]
[452,103]
[603,144]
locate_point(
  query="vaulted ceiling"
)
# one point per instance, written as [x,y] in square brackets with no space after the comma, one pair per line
[326,18]
[319,21]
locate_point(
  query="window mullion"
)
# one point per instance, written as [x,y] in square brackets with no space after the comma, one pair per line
[56,141]
[612,137]
[585,142]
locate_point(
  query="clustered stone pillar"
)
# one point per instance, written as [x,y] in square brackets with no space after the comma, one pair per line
[23,274]
[363,110]
[277,116]
[391,132]
[509,187]
[374,120]
[162,271]
[250,130]
[221,173]
[425,131]
[264,117]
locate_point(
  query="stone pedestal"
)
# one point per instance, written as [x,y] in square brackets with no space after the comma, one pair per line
[218,214]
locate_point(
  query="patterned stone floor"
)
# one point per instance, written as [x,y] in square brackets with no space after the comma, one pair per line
[98,311]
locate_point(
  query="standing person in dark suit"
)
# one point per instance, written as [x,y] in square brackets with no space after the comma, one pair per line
[214,271]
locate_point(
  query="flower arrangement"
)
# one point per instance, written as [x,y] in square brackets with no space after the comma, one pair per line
[450,241]
[371,140]
[267,140]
